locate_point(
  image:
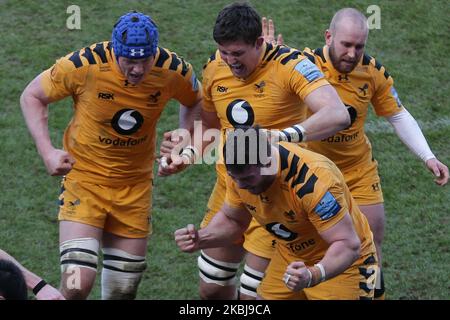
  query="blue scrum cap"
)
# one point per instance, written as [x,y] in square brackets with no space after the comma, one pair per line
[135,36]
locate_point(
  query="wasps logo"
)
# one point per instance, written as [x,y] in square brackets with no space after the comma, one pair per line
[259,87]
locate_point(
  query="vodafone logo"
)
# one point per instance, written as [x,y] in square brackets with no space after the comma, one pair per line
[240,112]
[127,121]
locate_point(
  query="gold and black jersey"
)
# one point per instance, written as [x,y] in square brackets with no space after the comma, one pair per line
[270,97]
[368,83]
[112,132]
[307,197]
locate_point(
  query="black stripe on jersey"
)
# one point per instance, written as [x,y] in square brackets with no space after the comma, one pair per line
[100,51]
[175,62]
[268,48]
[76,60]
[109,46]
[378,66]
[88,55]
[273,53]
[163,56]
[282,50]
[319,52]
[292,56]
[184,68]
[211,59]
[292,168]
[310,57]
[366,59]
[301,176]
[284,154]
[308,187]
[365,287]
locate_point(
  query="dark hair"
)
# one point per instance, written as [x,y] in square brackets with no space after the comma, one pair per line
[237,21]
[12,282]
[246,146]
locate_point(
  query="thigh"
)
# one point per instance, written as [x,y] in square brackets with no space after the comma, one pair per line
[83,202]
[135,246]
[130,215]
[365,184]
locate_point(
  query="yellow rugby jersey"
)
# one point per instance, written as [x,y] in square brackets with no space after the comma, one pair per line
[368,83]
[270,97]
[308,196]
[112,133]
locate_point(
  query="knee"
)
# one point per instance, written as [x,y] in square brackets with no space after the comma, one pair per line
[218,278]
[79,259]
[250,280]
[121,274]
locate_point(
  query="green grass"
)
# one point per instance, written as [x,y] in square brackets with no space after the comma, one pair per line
[412,43]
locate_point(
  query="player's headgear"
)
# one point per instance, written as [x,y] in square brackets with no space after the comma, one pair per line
[135,36]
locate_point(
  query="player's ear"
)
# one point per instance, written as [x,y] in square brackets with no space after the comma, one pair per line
[328,37]
[259,42]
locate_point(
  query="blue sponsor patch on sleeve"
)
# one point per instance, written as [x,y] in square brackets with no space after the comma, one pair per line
[194,82]
[309,70]
[327,207]
[395,95]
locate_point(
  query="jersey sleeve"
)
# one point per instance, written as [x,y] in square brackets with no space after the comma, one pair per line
[187,88]
[301,75]
[208,73]
[63,79]
[232,197]
[322,198]
[385,100]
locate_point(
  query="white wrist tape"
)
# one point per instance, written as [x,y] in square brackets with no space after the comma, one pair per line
[310,278]
[409,132]
[190,153]
[294,134]
[322,271]
[164,163]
